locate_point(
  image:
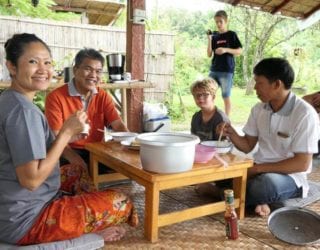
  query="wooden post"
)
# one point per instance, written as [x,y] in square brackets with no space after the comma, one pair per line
[135,65]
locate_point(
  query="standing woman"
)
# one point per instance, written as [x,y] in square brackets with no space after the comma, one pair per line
[223,44]
[33,208]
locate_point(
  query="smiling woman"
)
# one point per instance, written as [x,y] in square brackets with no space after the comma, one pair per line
[30,67]
[31,189]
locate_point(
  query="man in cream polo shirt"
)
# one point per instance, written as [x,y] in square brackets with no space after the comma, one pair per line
[286,129]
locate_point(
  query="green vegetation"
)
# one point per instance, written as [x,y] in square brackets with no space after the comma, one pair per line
[262,35]
[26,9]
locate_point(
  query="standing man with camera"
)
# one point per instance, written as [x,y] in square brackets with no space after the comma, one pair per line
[223,44]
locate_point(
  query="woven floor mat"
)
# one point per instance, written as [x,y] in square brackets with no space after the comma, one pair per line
[203,233]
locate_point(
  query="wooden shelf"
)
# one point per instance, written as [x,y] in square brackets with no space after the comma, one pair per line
[122,85]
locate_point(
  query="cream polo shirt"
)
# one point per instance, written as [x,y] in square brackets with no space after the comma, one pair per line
[293,129]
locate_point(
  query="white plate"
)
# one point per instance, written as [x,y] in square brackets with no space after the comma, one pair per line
[129,145]
[222,147]
[123,136]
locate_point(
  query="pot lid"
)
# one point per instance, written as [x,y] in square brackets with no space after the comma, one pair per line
[295,225]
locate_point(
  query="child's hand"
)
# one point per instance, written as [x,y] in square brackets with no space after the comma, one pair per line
[220,51]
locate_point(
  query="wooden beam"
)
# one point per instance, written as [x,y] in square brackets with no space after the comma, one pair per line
[135,65]
[311,11]
[67,9]
[235,2]
[280,6]
[82,10]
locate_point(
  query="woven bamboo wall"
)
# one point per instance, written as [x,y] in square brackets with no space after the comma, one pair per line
[66,39]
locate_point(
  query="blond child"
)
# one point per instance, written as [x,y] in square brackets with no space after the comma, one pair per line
[205,121]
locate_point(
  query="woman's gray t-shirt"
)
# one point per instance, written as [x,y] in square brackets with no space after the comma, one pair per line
[24,136]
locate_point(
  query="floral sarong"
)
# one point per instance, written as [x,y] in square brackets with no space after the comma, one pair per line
[85,210]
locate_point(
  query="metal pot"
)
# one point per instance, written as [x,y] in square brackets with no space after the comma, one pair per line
[167,152]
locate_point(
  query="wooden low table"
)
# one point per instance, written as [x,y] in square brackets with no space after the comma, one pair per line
[127,162]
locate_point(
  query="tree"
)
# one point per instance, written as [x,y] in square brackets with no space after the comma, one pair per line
[265,35]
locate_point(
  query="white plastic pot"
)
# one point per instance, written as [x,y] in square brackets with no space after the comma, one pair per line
[167,152]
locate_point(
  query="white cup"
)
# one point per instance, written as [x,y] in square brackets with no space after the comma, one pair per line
[127,76]
[107,136]
[86,129]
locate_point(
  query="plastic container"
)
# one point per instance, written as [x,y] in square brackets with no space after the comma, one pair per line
[151,125]
[204,153]
[167,152]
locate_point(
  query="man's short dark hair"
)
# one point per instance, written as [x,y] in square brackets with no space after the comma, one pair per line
[88,53]
[275,69]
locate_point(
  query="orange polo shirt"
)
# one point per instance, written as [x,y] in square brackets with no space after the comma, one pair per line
[101,112]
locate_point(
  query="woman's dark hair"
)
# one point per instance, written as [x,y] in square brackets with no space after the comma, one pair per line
[221,13]
[88,53]
[275,69]
[16,45]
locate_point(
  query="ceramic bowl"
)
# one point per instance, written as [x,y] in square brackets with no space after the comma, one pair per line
[221,147]
[123,136]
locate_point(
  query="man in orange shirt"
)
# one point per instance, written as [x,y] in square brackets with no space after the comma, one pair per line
[81,93]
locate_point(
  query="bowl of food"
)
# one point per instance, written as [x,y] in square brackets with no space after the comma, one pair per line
[167,152]
[221,147]
[204,153]
[123,136]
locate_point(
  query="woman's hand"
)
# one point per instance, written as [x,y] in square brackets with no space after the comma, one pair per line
[74,125]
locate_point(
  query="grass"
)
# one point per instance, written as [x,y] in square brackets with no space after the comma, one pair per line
[241,107]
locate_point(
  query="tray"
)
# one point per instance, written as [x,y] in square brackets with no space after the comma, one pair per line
[295,225]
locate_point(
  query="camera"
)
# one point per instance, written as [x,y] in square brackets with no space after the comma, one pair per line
[209,32]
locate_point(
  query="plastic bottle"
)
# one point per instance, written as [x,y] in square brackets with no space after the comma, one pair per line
[230,216]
